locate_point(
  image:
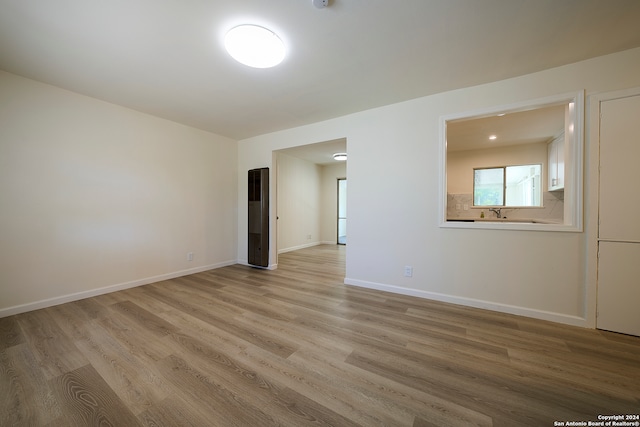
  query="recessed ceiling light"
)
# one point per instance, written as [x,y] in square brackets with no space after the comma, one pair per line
[340,156]
[492,137]
[254,46]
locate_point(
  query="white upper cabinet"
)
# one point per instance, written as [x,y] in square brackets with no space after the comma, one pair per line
[555,164]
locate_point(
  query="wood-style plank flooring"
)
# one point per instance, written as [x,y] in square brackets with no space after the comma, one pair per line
[239,346]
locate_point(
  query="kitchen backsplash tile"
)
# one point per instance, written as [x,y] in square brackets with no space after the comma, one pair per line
[553,209]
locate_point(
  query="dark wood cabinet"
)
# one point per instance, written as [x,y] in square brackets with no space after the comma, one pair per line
[259,217]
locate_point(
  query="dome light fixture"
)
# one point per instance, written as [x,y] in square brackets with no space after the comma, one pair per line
[254,46]
[341,157]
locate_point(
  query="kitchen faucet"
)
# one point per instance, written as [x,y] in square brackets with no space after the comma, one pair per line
[497,211]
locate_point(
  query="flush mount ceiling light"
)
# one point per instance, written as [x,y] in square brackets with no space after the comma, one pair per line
[340,156]
[254,46]
[492,137]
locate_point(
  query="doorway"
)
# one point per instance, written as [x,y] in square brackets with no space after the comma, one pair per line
[305,194]
[342,211]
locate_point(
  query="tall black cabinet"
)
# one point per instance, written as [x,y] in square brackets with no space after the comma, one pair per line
[259,217]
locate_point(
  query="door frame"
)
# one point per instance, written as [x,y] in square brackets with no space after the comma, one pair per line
[338,209]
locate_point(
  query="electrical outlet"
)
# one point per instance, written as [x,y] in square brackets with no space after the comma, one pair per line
[308,236]
[189,256]
[408,271]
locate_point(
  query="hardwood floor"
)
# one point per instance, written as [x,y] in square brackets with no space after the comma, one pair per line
[239,346]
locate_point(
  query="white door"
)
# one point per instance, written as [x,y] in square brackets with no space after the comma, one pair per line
[618,300]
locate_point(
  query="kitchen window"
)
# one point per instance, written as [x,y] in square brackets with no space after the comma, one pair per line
[508,186]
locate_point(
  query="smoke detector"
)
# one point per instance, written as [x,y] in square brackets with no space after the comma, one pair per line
[320,3]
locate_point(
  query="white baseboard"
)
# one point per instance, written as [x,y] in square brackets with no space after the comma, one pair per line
[23,308]
[295,248]
[471,302]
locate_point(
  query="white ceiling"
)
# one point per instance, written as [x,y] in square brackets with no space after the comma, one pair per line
[320,153]
[166,57]
[532,126]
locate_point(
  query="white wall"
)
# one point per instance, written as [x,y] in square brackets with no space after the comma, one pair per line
[298,203]
[393,207]
[96,197]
